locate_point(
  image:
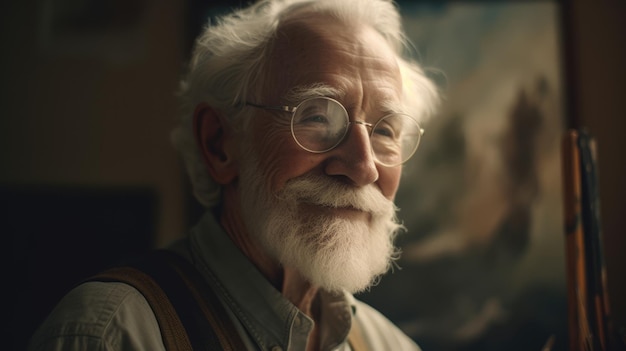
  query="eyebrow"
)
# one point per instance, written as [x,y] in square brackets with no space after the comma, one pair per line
[300,93]
[389,106]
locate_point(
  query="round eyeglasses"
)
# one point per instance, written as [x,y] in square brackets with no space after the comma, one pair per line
[320,124]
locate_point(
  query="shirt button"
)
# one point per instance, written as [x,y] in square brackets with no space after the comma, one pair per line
[297,322]
[277,348]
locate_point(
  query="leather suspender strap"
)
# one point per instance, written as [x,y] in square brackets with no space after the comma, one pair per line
[210,306]
[189,314]
[172,330]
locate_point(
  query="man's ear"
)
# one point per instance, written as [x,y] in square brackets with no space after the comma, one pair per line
[215,140]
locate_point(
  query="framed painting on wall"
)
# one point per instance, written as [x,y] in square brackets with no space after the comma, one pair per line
[483,262]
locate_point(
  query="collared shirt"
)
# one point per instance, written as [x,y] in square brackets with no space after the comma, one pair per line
[115,316]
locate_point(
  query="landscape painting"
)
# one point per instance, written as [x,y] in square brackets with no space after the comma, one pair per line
[483,262]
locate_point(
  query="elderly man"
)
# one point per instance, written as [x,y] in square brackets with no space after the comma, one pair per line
[298,115]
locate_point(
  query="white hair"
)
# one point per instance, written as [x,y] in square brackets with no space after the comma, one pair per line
[230,58]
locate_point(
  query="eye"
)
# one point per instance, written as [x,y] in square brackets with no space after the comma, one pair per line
[385,130]
[314,118]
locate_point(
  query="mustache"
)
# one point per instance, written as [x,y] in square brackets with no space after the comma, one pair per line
[325,191]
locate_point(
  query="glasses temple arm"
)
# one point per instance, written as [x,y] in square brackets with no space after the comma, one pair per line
[278,108]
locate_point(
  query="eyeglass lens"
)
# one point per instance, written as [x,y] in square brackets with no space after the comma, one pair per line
[320,124]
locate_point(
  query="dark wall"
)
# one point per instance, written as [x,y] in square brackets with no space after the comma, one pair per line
[595,54]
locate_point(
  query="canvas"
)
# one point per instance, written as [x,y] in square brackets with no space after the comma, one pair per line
[483,264]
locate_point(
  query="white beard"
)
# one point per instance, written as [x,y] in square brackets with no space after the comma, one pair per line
[331,252]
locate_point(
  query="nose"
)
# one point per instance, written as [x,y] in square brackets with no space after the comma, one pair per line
[353,158]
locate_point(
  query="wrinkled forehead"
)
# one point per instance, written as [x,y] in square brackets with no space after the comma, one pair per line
[317,48]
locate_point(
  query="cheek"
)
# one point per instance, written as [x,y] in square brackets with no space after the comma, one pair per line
[389,180]
[280,158]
